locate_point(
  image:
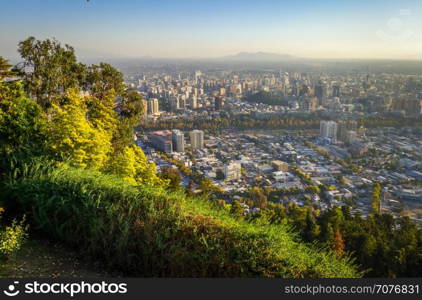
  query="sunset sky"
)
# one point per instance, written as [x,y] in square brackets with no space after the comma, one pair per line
[202,28]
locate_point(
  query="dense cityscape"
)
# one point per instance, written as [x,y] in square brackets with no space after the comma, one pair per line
[336,152]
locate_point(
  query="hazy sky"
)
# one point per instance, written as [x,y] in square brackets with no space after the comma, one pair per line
[212,28]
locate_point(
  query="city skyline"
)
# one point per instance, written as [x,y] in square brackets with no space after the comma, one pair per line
[205,29]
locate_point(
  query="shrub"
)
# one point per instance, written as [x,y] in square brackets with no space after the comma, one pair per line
[12,237]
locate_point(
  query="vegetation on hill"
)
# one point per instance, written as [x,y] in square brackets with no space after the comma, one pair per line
[150,231]
[382,246]
[72,116]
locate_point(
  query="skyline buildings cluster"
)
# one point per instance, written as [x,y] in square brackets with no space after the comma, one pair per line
[287,128]
[179,93]
[174,141]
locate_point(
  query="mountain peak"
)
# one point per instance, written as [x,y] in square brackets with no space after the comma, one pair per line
[258,56]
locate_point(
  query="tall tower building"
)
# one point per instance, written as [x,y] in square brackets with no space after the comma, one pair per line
[328,129]
[197,76]
[321,92]
[336,91]
[197,139]
[153,106]
[174,102]
[343,127]
[145,105]
[194,102]
[218,103]
[178,139]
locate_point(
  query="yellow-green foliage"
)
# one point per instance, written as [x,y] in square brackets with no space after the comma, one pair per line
[12,238]
[81,132]
[376,198]
[101,112]
[74,138]
[132,165]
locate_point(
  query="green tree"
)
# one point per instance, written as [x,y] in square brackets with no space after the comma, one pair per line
[236,209]
[173,177]
[258,197]
[73,138]
[206,186]
[5,69]
[49,70]
[132,165]
[101,113]
[376,198]
[102,79]
[131,106]
[313,189]
[22,126]
[312,230]
[220,175]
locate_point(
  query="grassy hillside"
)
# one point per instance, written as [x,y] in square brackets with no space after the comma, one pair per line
[148,231]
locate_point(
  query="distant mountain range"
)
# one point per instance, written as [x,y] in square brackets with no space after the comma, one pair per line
[258,56]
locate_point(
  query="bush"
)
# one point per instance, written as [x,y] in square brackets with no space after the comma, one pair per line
[12,237]
[148,231]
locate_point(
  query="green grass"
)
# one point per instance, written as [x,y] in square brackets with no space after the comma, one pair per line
[148,231]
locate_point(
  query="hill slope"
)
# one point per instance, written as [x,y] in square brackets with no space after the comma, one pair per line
[148,231]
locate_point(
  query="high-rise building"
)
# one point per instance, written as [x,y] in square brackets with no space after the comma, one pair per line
[232,171]
[161,140]
[321,92]
[197,139]
[309,104]
[218,103]
[182,102]
[193,102]
[153,106]
[145,105]
[336,91]
[351,137]
[174,103]
[178,139]
[328,129]
[343,127]
[197,76]
[295,89]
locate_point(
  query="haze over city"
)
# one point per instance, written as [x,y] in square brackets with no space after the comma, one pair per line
[207,29]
